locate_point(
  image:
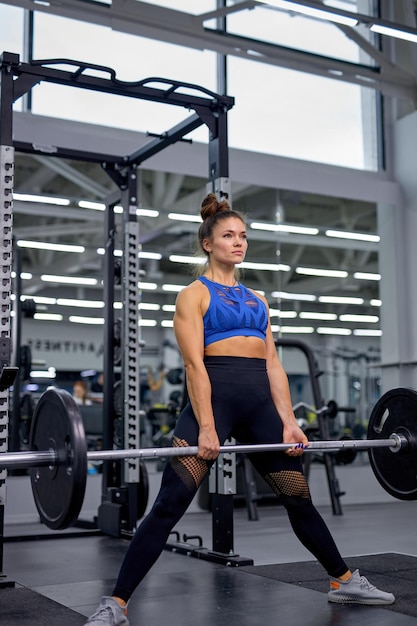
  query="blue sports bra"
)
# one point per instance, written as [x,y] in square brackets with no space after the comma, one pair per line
[233,312]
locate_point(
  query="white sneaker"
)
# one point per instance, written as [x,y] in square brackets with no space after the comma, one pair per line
[357,590]
[109,613]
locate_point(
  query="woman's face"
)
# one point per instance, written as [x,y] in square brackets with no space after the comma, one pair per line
[228,243]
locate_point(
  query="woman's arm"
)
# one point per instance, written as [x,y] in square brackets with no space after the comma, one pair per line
[189,332]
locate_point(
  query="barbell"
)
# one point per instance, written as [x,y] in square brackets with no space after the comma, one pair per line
[58,454]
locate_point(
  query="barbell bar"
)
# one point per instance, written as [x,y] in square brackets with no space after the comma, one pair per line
[22,460]
[58,454]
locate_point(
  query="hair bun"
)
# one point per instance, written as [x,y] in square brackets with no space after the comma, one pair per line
[211,205]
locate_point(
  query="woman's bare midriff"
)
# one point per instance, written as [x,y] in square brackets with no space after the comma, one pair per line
[248,347]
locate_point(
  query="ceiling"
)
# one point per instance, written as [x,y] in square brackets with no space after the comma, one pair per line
[47,176]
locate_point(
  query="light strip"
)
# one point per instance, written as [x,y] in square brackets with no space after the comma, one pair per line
[283,295]
[367,332]
[344,234]
[173,288]
[87,304]
[147,286]
[149,306]
[170,308]
[369,319]
[193,260]
[311,315]
[26,197]
[323,330]
[282,314]
[167,324]
[52,317]
[375,302]
[340,300]
[394,32]
[273,267]
[49,373]
[347,18]
[285,228]
[68,280]
[181,217]
[311,271]
[366,276]
[79,319]
[58,247]
[147,323]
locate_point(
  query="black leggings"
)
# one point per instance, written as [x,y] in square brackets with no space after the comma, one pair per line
[243,409]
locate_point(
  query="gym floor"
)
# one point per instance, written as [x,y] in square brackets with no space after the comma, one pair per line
[76,570]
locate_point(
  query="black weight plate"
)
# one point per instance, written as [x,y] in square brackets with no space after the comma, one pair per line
[395,412]
[59,491]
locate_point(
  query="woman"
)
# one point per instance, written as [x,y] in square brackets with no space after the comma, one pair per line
[237,387]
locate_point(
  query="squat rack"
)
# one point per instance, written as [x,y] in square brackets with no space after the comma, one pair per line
[17,79]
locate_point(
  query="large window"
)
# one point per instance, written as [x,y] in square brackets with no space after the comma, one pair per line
[278,111]
[133,58]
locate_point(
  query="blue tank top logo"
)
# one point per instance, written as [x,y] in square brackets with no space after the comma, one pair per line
[233,312]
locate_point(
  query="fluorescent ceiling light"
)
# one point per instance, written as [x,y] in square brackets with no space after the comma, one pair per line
[311,315]
[147,286]
[94,206]
[169,308]
[367,332]
[147,322]
[283,295]
[100,206]
[23,275]
[311,271]
[184,218]
[393,31]
[302,330]
[340,300]
[49,373]
[147,213]
[149,306]
[194,260]
[79,319]
[173,288]
[285,228]
[375,302]
[370,319]
[150,255]
[88,304]
[59,247]
[39,299]
[167,324]
[117,305]
[366,276]
[101,251]
[26,197]
[322,330]
[282,314]
[310,11]
[68,280]
[343,234]
[53,317]
[273,267]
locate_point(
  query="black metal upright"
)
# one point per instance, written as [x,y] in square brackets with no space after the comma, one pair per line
[6,218]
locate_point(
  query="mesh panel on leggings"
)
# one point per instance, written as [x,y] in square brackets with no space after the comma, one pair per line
[190,469]
[288,484]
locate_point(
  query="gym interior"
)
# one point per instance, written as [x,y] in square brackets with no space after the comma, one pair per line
[116,119]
